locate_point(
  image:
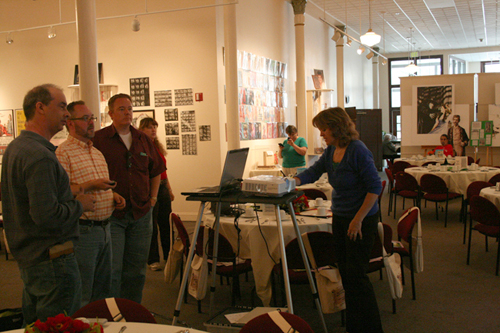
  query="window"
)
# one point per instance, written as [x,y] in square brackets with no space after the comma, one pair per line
[429,65]
[490,66]
[457,66]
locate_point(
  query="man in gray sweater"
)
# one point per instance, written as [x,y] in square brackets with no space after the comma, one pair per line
[40,213]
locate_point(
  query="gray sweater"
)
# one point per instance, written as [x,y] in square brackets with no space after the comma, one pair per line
[39,210]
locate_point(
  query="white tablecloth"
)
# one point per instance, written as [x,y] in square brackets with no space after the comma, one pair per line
[113,327]
[456,181]
[322,186]
[263,171]
[253,246]
[419,162]
[492,195]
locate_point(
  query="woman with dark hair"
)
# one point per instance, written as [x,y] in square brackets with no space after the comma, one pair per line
[293,151]
[356,186]
[163,207]
[446,147]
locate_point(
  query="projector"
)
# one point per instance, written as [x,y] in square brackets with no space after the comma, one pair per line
[268,185]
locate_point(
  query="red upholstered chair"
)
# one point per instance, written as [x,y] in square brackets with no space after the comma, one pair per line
[380,200]
[389,164]
[184,236]
[376,259]
[406,226]
[478,160]
[429,163]
[473,189]
[487,215]
[390,189]
[435,190]
[406,186]
[130,310]
[495,179]
[264,323]
[470,160]
[399,166]
[312,193]
[225,253]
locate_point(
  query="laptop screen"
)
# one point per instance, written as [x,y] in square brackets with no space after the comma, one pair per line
[233,167]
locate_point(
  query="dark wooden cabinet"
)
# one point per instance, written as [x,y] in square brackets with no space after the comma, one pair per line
[369,126]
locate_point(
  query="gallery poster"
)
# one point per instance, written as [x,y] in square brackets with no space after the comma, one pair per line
[481,133]
[434,109]
[20,121]
[6,129]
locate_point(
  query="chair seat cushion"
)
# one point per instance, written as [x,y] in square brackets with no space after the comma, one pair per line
[407,194]
[238,269]
[441,196]
[488,230]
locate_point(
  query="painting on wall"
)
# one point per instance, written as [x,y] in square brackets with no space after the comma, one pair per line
[6,129]
[141,114]
[434,109]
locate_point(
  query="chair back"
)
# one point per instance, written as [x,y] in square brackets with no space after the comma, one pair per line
[376,261]
[225,252]
[264,323]
[429,163]
[433,184]
[475,188]
[399,166]
[484,211]
[130,310]
[181,231]
[390,177]
[495,179]
[405,181]
[322,248]
[478,160]
[470,160]
[312,193]
[389,163]
[407,222]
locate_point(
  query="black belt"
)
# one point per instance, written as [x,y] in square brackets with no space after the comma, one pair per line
[91,223]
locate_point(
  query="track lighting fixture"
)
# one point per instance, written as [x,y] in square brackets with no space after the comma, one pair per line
[361,49]
[349,42]
[336,36]
[9,39]
[136,24]
[52,32]
[384,62]
[369,55]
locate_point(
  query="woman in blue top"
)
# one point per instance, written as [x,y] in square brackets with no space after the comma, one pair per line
[293,151]
[356,186]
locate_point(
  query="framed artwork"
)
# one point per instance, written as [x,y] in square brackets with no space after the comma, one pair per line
[141,114]
[139,91]
[76,78]
[6,129]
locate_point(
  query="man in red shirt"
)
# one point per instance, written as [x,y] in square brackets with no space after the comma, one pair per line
[136,165]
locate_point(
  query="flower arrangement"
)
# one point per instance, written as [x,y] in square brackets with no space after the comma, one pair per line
[63,324]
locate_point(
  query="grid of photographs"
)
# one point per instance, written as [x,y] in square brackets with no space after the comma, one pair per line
[189,144]
[163,98]
[262,97]
[183,97]
[188,123]
[172,128]
[173,143]
[205,133]
[172,114]
[139,91]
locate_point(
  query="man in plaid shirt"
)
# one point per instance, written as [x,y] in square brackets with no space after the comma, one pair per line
[88,173]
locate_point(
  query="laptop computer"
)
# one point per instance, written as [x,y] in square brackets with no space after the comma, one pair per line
[231,174]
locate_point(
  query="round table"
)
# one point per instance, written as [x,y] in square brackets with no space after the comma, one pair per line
[112,327]
[419,162]
[254,242]
[492,195]
[324,187]
[456,181]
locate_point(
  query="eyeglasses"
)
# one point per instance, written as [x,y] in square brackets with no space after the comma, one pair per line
[85,118]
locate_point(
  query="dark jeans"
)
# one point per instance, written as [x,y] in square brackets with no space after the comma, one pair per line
[161,215]
[353,259]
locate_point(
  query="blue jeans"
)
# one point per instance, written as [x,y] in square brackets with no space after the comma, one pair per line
[131,240]
[93,254]
[51,287]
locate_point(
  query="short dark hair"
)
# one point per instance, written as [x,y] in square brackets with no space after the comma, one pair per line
[113,98]
[336,119]
[71,106]
[290,129]
[39,93]
[446,136]
[458,116]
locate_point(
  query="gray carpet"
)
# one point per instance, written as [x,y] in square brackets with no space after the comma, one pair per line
[451,296]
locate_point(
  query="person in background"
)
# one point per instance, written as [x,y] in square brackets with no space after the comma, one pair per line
[389,150]
[445,146]
[457,137]
[163,207]
[356,186]
[88,173]
[293,151]
[136,165]
[40,213]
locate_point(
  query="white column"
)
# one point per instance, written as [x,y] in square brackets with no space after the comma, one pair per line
[376,80]
[231,64]
[300,92]
[340,72]
[87,44]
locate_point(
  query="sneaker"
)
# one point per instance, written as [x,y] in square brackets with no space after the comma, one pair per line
[155,266]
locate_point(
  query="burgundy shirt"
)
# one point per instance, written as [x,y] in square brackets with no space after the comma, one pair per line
[131,169]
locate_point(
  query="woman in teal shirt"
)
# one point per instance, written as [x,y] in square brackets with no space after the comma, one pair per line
[293,151]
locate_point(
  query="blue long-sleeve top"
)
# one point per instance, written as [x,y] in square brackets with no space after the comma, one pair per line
[351,179]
